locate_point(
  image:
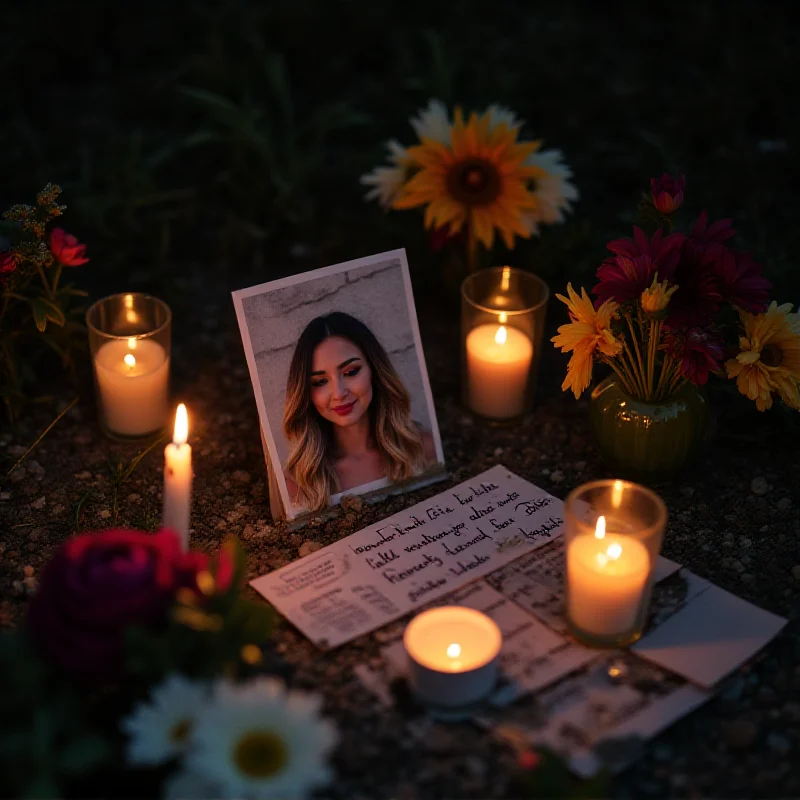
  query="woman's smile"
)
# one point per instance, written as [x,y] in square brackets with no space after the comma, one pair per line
[345,409]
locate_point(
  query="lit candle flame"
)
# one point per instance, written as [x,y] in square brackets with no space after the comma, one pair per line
[454,650]
[128,301]
[600,528]
[616,494]
[130,360]
[614,550]
[181,433]
[501,335]
[131,343]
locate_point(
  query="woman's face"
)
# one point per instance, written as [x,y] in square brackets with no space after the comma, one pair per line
[341,381]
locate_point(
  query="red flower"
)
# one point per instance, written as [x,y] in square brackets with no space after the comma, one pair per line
[700,352]
[67,249]
[529,759]
[630,271]
[741,282]
[705,243]
[98,584]
[668,193]
[8,265]
[441,236]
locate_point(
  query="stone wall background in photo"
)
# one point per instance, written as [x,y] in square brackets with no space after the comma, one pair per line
[374,294]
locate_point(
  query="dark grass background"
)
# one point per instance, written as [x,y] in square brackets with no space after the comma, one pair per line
[225,138]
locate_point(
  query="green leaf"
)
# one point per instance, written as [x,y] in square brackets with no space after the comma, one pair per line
[44,310]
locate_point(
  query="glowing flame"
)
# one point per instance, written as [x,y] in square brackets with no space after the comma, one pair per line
[505,285]
[600,528]
[502,317]
[129,360]
[501,335]
[616,494]
[128,301]
[131,343]
[614,550]
[454,650]
[181,433]
[130,313]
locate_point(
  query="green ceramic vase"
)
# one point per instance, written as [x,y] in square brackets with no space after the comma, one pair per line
[647,441]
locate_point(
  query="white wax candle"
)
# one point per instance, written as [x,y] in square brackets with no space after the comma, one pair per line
[133,383]
[452,654]
[178,479]
[607,576]
[498,365]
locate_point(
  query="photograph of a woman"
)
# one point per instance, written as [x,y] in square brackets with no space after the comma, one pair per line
[347,415]
[339,377]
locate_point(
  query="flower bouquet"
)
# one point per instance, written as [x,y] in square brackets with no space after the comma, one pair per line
[673,307]
[141,670]
[37,311]
[475,177]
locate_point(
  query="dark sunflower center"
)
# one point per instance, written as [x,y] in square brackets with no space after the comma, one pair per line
[260,754]
[771,356]
[474,182]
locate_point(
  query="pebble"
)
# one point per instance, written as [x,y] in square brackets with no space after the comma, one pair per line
[133,498]
[779,743]
[740,734]
[241,476]
[104,514]
[35,468]
[309,547]
[759,486]
[556,476]
[83,476]
[498,451]
[745,542]
[39,504]
[18,474]
[5,496]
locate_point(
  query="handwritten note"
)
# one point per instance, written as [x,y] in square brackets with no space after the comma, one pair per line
[401,563]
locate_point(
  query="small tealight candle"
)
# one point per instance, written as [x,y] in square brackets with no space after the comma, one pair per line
[452,654]
[609,566]
[178,479]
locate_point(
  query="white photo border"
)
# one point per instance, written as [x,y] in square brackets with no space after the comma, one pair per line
[240,295]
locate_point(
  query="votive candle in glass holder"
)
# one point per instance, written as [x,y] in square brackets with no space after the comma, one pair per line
[502,324]
[613,532]
[129,340]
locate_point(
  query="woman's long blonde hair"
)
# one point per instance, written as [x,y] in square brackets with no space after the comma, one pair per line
[394,434]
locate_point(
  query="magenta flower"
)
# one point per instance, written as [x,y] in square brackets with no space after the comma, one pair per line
[67,249]
[8,265]
[667,193]
[699,350]
[626,274]
[741,282]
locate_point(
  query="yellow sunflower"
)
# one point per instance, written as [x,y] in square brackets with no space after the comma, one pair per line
[588,333]
[480,179]
[769,360]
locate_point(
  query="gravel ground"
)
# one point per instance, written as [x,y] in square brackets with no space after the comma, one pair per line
[734,519]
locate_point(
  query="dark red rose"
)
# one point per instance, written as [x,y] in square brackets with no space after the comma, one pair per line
[98,584]
[668,193]
[699,351]
[8,265]
[67,249]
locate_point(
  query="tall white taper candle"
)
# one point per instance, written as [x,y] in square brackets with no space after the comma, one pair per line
[178,479]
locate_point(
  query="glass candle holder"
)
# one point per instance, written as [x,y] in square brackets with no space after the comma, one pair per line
[129,340]
[502,324]
[613,532]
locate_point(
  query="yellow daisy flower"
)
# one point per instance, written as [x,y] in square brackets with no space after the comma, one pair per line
[769,360]
[656,299]
[588,333]
[480,179]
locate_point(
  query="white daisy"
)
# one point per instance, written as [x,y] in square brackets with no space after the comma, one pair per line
[160,730]
[553,191]
[386,181]
[257,740]
[186,785]
[501,114]
[433,123]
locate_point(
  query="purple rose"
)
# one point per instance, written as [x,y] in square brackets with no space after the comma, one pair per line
[98,584]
